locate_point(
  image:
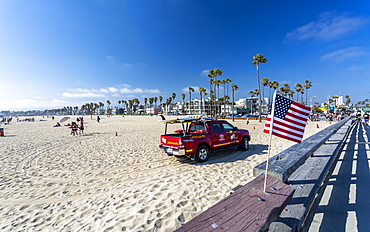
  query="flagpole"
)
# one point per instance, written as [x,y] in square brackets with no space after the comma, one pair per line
[269,146]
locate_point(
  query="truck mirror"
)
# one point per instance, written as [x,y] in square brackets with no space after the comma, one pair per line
[235,128]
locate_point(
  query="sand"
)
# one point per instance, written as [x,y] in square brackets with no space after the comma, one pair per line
[114,177]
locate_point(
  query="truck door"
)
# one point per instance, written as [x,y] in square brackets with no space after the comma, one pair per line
[231,134]
[219,138]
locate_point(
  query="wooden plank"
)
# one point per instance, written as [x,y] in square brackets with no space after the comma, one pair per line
[243,210]
[306,180]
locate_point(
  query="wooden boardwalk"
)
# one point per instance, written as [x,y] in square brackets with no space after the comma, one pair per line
[247,209]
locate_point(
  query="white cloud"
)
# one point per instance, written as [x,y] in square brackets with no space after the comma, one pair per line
[329,26]
[125,86]
[31,104]
[186,89]
[127,65]
[2,86]
[204,72]
[111,59]
[113,89]
[343,55]
[138,90]
[103,92]
[79,90]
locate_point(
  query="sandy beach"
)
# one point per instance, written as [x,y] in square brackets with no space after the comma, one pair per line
[53,181]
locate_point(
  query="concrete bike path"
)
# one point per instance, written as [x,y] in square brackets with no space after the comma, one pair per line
[345,205]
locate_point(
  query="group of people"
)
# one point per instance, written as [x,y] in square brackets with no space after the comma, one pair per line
[77,129]
[6,121]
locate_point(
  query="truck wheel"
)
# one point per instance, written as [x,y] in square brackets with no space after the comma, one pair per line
[202,154]
[244,146]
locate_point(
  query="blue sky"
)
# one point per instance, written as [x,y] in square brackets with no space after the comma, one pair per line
[67,53]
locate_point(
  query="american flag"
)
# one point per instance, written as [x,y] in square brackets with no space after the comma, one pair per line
[289,119]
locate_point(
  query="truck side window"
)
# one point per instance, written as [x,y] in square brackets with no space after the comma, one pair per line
[228,127]
[216,128]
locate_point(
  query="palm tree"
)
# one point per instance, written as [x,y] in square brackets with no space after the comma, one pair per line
[91,108]
[101,105]
[298,89]
[160,100]
[108,102]
[168,103]
[226,82]
[307,84]
[259,58]
[273,85]
[213,73]
[130,105]
[155,100]
[217,84]
[201,91]
[291,94]
[234,87]
[125,104]
[183,102]
[348,99]
[264,82]
[335,100]
[286,89]
[173,98]
[145,102]
[191,89]
[281,91]
[253,93]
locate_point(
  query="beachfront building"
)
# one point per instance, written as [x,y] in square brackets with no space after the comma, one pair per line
[250,106]
[154,110]
[195,107]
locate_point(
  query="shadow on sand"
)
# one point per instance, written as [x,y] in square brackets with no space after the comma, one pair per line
[230,155]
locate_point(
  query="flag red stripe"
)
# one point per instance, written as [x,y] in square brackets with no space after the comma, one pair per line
[289,127]
[290,132]
[293,125]
[301,106]
[295,122]
[286,137]
[298,117]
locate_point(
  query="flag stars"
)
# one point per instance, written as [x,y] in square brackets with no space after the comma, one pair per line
[282,106]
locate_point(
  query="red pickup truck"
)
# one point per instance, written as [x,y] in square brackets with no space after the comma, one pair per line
[200,136]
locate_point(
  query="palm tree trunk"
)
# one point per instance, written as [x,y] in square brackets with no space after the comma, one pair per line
[233,104]
[259,95]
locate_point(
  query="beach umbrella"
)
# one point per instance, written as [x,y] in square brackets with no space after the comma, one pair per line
[63,119]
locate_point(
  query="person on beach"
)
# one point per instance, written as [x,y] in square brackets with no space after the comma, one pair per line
[81,128]
[74,129]
[98,119]
[247,121]
[57,125]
